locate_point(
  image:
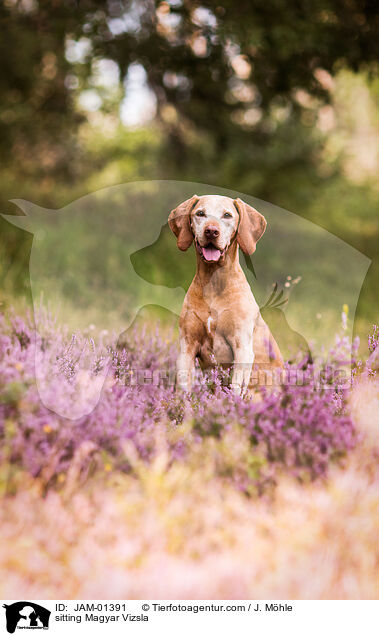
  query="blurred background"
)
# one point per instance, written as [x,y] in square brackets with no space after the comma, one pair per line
[278,100]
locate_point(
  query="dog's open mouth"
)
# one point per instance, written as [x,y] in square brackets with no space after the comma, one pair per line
[210,253]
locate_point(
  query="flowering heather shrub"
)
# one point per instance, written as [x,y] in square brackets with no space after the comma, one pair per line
[298,429]
[170,473]
[114,538]
[373,339]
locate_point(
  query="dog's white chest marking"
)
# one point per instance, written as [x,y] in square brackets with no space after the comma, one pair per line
[209,321]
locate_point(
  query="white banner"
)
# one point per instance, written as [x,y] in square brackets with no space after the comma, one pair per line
[183,617]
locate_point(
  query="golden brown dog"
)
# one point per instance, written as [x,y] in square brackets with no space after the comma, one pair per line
[220,322]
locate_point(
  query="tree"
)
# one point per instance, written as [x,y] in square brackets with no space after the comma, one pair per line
[232,71]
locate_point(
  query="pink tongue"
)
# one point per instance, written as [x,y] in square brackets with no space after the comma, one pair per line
[211,253]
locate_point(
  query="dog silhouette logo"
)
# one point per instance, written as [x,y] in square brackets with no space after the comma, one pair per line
[26,615]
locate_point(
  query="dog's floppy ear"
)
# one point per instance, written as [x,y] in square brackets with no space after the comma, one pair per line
[179,222]
[251,226]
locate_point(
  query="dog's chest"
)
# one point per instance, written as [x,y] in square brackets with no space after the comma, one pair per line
[214,348]
[211,317]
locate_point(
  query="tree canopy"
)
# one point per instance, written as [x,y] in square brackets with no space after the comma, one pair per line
[239,73]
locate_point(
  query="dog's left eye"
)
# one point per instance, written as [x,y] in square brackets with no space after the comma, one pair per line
[227,215]
[200,213]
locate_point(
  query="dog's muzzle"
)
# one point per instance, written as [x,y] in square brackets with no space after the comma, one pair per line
[209,252]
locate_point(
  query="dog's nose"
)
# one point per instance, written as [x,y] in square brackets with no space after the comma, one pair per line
[211,232]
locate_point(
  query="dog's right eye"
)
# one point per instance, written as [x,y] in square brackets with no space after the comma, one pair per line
[200,213]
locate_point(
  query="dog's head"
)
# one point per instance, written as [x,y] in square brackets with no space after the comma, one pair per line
[214,222]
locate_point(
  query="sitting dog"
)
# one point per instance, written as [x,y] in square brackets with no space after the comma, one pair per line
[220,322]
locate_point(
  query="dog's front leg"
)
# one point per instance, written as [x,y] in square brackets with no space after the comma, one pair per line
[243,359]
[185,366]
